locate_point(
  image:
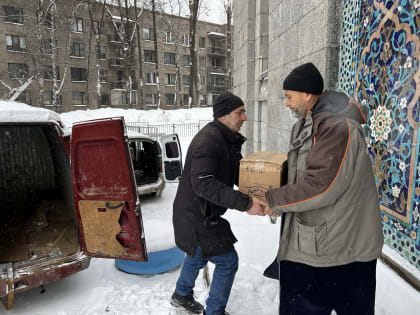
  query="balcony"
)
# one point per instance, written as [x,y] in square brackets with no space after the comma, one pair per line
[117,62]
[122,85]
[115,39]
[219,51]
[216,88]
[216,71]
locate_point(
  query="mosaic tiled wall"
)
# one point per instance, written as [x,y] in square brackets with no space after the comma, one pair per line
[380,67]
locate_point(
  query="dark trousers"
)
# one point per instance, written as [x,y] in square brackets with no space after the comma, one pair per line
[347,289]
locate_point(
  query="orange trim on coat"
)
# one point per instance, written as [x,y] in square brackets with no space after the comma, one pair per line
[361,112]
[332,183]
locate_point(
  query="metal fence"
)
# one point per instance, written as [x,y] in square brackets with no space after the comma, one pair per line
[182,129]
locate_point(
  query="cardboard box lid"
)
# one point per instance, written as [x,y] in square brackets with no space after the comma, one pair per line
[266,157]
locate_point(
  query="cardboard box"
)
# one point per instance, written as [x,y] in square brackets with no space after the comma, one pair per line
[260,171]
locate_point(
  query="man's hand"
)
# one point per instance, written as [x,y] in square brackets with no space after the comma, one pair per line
[267,209]
[257,207]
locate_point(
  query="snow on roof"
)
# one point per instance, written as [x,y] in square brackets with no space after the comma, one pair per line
[216,34]
[14,112]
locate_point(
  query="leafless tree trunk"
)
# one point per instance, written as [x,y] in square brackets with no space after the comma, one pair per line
[140,84]
[229,11]
[194,77]
[156,53]
[97,33]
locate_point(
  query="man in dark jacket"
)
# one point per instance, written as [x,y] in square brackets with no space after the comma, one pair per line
[204,193]
[331,232]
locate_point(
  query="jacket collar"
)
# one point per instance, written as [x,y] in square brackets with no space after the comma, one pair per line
[230,136]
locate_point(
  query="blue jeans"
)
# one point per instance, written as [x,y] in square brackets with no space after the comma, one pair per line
[224,273]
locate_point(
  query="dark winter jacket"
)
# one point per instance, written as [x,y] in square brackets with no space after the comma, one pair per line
[330,205]
[206,191]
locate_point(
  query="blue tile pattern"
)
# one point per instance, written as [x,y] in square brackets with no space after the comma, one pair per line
[384,74]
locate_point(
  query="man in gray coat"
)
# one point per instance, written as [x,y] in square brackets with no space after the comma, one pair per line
[331,232]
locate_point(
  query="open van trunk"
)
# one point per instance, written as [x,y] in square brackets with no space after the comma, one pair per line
[146,160]
[37,217]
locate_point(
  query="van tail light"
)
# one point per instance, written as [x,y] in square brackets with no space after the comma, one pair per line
[123,237]
[160,165]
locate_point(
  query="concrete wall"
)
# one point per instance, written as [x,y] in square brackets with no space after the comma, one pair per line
[271,38]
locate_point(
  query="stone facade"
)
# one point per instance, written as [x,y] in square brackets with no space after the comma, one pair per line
[18,22]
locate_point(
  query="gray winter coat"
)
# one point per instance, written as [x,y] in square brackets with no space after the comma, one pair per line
[330,209]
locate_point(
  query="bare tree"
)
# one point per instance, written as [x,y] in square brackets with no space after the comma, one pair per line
[194,76]
[173,25]
[125,25]
[140,85]
[42,46]
[227,4]
[96,30]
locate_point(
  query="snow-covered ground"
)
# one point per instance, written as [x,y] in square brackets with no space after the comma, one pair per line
[102,289]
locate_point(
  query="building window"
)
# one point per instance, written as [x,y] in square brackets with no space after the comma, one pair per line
[15,43]
[149,56]
[47,98]
[78,50]
[151,78]
[218,80]
[216,62]
[186,80]
[13,15]
[170,99]
[169,38]
[202,61]
[148,33]
[80,98]
[151,99]
[48,72]
[125,98]
[79,74]
[98,27]
[186,40]
[170,78]
[186,60]
[203,80]
[47,47]
[104,99]
[169,58]
[76,25]
[18,70]
[186,99]
[202,42]
[100,52]
[103,76]
[48,21]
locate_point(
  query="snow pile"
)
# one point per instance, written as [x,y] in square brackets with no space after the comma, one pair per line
[158,116]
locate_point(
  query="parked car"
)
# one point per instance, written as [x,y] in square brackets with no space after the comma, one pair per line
[151,172]
[65,197]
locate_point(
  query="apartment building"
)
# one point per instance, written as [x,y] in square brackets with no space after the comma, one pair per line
[72,57]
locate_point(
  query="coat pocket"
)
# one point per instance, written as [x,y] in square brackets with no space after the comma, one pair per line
[311,239]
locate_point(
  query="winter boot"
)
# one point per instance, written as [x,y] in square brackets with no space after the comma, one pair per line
[187,302]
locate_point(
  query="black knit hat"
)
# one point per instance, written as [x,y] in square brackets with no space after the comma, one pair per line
[305,78]
[225,104]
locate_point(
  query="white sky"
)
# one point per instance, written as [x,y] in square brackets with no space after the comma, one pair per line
[102,289]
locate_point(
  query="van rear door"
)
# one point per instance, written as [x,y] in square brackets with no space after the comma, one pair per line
[172,157]
[105,192]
